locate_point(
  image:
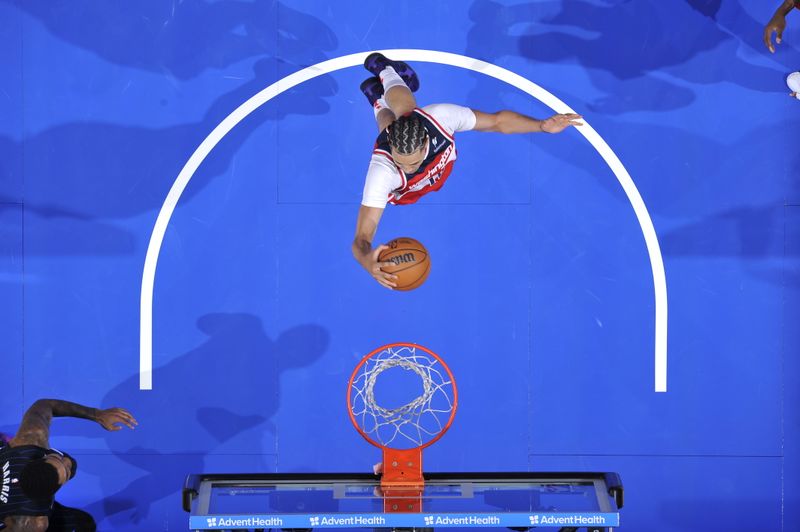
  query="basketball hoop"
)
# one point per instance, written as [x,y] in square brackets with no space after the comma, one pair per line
[402,431]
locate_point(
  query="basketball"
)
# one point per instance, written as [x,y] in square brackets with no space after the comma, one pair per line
[410,262]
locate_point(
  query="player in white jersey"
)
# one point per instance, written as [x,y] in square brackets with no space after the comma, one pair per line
[415,150]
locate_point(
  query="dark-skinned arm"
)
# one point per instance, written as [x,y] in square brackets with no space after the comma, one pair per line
[777,24]
[35,426]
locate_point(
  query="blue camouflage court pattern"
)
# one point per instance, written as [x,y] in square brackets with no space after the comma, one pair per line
[540,296]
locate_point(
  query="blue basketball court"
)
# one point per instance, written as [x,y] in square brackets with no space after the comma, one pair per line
[180,186]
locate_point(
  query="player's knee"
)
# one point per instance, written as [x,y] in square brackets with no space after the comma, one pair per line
[401,100]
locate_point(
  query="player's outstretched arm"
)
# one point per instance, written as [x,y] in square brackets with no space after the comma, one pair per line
[35,426]
[512,122]
[366,226]
[777,24]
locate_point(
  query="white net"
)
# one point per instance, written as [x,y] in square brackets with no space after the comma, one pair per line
[413,423]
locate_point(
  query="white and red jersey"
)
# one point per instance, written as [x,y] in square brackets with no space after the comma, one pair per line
[387,183]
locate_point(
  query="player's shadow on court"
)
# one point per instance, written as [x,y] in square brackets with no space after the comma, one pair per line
[709,8]
[57,232]
[683,174]
[753,233]
[212,405]
[78,172]
[750,232]
[631,49]
[184,39]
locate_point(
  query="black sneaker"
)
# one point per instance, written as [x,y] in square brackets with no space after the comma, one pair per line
[376,62]
[372,89]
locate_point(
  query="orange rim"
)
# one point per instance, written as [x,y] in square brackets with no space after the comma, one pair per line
[384,348]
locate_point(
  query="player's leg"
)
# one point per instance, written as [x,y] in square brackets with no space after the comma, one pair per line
[373,90]
[384,117]
[399,82]
[396,93]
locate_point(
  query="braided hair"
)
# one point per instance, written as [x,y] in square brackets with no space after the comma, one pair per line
[407,134]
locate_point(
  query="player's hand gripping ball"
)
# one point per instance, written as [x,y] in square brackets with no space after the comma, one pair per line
[410,262]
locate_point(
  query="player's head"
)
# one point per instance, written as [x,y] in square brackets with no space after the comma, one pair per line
[408,141]
[41,479]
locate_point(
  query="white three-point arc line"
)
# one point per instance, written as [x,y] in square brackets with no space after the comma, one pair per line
[444,58]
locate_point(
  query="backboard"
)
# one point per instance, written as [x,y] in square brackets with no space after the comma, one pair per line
[475,500]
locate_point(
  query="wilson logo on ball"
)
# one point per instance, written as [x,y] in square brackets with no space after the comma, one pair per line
[408,260]
[402,259]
